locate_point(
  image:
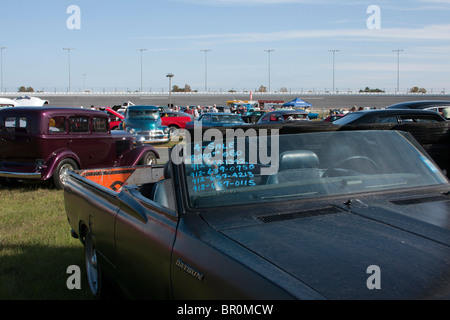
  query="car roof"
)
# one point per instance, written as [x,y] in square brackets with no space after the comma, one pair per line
[396,111]
[220,113]
[419,104]
[51,110]
[143,107]
[184,114]
[289,111]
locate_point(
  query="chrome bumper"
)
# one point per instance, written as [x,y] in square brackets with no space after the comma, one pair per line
[20,175]
[151,137]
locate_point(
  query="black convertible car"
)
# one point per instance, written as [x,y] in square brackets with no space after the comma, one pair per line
[323,215]
[390,116]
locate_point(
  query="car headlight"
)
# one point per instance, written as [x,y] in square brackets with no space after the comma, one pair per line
[131,130]
[166,130]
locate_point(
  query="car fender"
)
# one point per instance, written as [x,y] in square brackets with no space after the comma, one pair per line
[52,162]
[134,155]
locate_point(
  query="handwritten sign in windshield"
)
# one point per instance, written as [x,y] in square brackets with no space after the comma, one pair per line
[220,166]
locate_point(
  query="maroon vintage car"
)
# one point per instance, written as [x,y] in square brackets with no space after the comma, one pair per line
[44,142]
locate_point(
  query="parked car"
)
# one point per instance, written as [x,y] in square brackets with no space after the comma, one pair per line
[26,101]
[7,103]
[346,215]
[115,118]
[223,109]
[144,123]
[333,117]
[253,116]
[43,143]
[390,116]
[217,119]
[433,105]
[441,107]
[283,116]
[175,120]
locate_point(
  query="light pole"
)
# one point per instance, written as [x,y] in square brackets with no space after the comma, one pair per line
[142,72]
[170,76]
[334,52]
[398,67]
[84,81]
[68,50]
[269,51]
[1,66]
[206,68]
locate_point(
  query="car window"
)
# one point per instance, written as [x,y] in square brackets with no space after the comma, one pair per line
[349,117]
[144,113]
[78,124]
[228,118]
[294,116]
[99,125]
[206,118]
[15,124]
[387,119]
[57,125]
[421,119]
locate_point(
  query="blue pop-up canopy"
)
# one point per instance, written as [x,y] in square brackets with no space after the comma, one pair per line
[297,103]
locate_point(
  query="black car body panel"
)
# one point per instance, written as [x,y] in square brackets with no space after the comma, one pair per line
[425,104]
[389,116]
[311,230]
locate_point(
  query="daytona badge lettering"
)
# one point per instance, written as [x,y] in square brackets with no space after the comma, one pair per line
[189,269]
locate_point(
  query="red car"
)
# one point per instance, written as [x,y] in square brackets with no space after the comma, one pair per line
[333,117]
[172,119]
[115,118]
[175,120]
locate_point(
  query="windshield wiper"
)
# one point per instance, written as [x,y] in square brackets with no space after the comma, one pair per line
[305,194]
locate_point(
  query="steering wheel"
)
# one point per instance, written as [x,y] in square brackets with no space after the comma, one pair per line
[360,164]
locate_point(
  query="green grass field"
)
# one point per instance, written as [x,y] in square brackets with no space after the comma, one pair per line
[35,245]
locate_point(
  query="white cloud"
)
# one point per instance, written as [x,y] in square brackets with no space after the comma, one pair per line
[388,67]
[432,32]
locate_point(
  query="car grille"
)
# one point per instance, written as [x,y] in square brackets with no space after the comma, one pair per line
[150,133]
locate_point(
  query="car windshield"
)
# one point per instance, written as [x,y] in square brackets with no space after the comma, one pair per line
[294,116]
[258,169]
[350,117]
[227,118]
[143,114]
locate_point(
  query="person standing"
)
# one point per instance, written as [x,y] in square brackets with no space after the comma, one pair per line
[446,113]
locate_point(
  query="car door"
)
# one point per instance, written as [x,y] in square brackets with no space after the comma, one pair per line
[144,234]
[206,120]
[91,146]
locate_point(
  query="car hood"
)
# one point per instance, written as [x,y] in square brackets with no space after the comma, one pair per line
[346,252]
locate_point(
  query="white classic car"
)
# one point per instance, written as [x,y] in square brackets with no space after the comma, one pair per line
[26,101]
[6,103]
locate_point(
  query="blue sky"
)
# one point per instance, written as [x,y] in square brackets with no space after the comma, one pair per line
[301,33]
